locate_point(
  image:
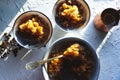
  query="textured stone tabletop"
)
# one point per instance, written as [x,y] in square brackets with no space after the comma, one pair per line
[107,45]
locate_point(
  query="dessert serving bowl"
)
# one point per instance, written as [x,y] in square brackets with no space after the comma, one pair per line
[71,15]
[79,61]
[32,29]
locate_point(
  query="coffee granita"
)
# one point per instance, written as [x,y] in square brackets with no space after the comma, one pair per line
[70,15]
[33,30]
[77,63]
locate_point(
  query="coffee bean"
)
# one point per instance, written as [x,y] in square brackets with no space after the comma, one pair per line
[9,46]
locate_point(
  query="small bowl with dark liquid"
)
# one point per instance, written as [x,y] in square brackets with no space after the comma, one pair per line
[71,15]
[32,29]
[110,17]
[84,66]
[106,20]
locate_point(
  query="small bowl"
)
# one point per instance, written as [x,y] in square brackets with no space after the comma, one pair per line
[23,39]
[66,23]
[58,47]
[110,17]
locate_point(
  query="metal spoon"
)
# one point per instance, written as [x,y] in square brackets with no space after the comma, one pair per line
[36,64]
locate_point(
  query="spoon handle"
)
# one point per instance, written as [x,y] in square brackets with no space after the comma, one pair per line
[36,64]
[47,60]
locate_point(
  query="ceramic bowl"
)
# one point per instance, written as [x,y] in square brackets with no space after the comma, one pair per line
[67,73]
[67,23]
[23,39]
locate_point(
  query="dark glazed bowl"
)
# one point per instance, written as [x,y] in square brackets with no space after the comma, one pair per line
[37,43]
[59,45]
[84,10]
[110,17]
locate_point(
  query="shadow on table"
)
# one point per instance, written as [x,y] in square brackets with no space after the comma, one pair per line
[8,9]
[57,33]
[92,35]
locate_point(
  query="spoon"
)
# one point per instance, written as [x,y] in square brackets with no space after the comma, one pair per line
[73,50]
[36,64]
